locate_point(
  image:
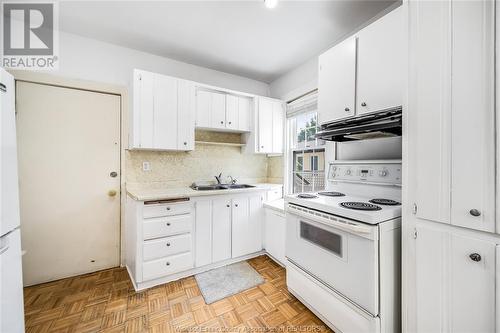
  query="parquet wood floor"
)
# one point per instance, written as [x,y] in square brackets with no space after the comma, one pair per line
[105,301]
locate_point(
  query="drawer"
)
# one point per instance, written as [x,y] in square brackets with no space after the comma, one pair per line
[166,226]
[165,266]
[166,209]
[167,246]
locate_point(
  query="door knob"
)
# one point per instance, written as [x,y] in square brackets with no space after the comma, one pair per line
[363,104]
[475,257]
[113,174]
[474,212]
[112,193]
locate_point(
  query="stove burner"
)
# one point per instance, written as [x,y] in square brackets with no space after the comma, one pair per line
[387,202]
[306,196]
[359,205]
[332,194]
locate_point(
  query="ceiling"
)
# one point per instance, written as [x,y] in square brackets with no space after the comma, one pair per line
[238,37]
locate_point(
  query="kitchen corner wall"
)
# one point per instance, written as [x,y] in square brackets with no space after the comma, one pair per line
[178,169]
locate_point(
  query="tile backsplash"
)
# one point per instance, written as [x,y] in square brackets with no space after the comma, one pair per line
[202,164]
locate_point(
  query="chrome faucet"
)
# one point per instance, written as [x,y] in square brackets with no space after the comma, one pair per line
[233,180]
[219,177]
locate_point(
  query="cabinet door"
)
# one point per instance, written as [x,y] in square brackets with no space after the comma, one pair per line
[203,108]
[244,113]
[185,112]
[218,110]
[165,112]
[473,115]
[247,225]
[277,128]
[232,112]
[143,110]
[274,231]
[472,294]
[429,109]
[221,229]
[380,77]
[337,82]
[265,121]
[203,233]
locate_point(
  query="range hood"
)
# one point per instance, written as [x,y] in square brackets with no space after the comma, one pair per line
[374,125]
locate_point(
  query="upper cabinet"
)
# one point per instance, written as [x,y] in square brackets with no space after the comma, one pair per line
[365,72]
[268,132]
[337,82]
[163,113]
[217,110]
[451,112]
[381,64]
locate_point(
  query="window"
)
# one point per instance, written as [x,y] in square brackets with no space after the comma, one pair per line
[306,153]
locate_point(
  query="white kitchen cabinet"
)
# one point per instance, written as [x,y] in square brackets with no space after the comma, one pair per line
[244,113]
[203,108]
[380,64]
[247,225]
[451,112]
[163,113]
[218,110]
[221,229]
[232,103]
[203,233]
[337,82]
[267,134]
[455,289]
[274,234]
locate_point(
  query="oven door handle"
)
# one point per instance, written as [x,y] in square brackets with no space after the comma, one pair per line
[353,228]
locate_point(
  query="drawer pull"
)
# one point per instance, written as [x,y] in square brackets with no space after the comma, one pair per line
[475,257]
[168,224]
[227,206]
[168,244]
[168,264]
[168,208]
[236,205]
[474,212]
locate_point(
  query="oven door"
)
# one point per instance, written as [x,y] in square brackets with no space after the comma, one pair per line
[342,254]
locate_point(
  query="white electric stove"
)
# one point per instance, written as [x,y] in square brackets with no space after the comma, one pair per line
[343,246]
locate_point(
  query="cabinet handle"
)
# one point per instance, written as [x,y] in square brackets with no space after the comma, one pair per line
[475,257]
[347,109]
[474,212]
[229,123]
[222,122]
[185,143]
[236,205]
[168,264]
[227,206]
[168,244]
[168,224]
[261,146]
[168,208]
[363,104]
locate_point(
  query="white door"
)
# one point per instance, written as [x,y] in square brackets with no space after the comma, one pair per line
[165,112]
[337,82]
[232,112]
[473,115]
[244,113]
[218,110]
[221,229]
[472,295]
[203,233]
[265,122]
[69,146]
[277,128]
[203,108]
[185,115]
[381,63]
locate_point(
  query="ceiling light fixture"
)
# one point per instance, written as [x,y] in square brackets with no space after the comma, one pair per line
[271,3]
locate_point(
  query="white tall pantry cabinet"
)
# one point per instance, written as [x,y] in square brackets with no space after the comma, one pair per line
[451,237]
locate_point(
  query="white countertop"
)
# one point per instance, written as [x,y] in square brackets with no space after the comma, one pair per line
[278,205]
[147,193]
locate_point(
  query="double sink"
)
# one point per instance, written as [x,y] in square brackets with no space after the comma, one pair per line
[220,187]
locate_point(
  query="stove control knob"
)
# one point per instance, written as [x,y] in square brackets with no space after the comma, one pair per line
[382,173]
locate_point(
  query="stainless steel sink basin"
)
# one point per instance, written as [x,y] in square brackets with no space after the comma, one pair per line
[220,187]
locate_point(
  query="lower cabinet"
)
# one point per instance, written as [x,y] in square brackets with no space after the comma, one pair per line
[274,234]
[227,227]
[455,281]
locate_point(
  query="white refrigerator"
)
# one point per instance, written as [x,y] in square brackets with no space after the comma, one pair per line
[11,279]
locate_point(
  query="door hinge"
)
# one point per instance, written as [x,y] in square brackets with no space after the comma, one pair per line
[415,233]
[415,208]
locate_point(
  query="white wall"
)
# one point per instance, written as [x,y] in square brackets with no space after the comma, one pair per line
[89,59]
[297,82]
